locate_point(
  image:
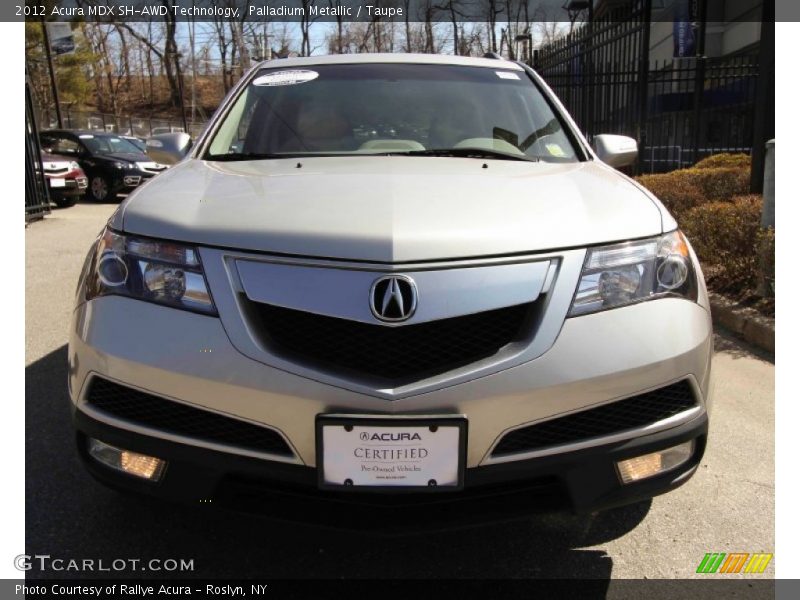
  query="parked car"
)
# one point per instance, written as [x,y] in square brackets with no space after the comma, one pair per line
[163,130]
[138,142]
[113,164]
[66,180]
[450,326]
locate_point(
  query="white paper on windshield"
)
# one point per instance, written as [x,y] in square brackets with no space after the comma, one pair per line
[286,77]
[507,75]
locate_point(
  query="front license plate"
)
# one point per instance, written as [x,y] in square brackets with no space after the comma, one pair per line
[57,182]
[354,453]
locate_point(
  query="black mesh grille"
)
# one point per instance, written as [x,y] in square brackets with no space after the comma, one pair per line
[173,417]
[608,419]
[393,353]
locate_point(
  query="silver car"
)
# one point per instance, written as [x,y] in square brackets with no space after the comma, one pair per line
[392,282]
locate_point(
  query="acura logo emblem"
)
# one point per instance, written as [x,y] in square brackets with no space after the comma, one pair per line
[393,298]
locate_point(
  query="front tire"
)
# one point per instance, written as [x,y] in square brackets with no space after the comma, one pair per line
[99,188]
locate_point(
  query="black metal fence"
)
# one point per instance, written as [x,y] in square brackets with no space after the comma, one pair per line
[141,127]
[597,70]
[679,110]
[37,202]
[698,109]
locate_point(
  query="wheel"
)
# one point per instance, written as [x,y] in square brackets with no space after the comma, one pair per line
[65,201]
[99,188]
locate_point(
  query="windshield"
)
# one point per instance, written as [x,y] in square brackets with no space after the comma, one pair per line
[412,109]
[102,144]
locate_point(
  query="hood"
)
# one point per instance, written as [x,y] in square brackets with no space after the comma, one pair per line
[61,161]
[390,208]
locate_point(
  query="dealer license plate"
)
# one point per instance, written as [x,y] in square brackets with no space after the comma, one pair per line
[399,453]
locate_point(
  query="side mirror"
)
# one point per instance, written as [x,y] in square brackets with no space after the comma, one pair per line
[169,148]
[616,150]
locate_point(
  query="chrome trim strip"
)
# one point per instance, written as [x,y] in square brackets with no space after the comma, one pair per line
[347,293]
[379,267]
[85,407]
[662,425]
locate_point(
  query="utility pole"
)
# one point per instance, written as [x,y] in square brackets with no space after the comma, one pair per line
[764,107]
[52,70]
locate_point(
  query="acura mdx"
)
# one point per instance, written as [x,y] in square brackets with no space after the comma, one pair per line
[387,282]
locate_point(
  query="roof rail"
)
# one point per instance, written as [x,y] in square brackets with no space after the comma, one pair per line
[493,55]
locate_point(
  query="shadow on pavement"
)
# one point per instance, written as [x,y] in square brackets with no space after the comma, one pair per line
[727,342]
[69,515]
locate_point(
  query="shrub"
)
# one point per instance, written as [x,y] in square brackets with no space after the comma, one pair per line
[767,267]
[728,239]
[725,160]
[684,189]
[721,183]
[678,192]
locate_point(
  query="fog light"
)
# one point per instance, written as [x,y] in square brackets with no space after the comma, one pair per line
[133,463]
[648,465]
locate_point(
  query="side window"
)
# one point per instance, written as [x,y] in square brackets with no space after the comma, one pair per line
[65,145]
[47,142]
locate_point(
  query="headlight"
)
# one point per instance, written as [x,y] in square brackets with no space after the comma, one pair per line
[635,271]
[73,166]
[124,165]
[162,272]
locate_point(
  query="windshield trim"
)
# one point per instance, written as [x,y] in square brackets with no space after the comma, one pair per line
[201,149]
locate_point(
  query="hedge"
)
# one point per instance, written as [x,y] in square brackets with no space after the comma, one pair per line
[684,189]
[739,161]
[729,241]
[712,205]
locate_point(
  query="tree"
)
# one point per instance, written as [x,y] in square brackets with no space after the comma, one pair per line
[337,44]
[305,25]
[453,11]
[73,71]
[167,53]
[492,10]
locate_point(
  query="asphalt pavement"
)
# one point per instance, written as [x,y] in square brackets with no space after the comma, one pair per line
[728,506]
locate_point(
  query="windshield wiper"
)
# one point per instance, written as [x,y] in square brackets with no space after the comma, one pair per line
[465,153]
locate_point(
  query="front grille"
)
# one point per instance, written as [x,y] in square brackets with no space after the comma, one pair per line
[400,353]
[608,419]
[164,415]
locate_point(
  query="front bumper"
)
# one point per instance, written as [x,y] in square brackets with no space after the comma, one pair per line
[72,187]
[130,179]
[595,359]
[584,481]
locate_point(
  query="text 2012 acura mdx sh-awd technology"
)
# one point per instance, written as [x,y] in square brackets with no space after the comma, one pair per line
[392,281]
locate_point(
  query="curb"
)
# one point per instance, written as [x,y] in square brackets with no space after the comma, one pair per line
[745,322]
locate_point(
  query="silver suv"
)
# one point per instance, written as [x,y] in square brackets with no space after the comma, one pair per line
[386,281]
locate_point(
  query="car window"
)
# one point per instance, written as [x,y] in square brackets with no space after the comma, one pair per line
[57,144]
[376,108]
[106,144]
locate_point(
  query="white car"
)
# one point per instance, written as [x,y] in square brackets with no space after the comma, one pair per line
[387,282]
